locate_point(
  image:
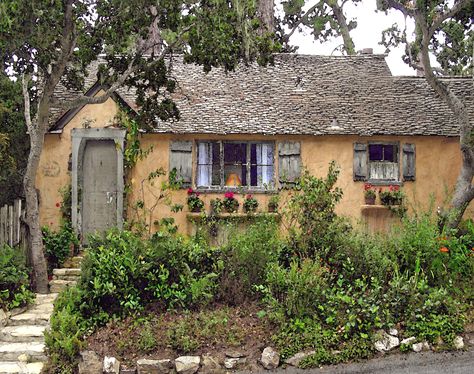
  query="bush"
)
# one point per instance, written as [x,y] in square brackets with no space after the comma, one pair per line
[58,246]
[64,338]
[14,281]
[245,258]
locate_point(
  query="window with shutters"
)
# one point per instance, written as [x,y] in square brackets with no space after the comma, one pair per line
[235,164]
[380,162]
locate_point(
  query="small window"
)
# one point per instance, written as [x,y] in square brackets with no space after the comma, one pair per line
[235,164]
[383,162]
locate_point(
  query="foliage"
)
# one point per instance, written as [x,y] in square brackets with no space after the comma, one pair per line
[14,279]
[58,246]
[64,338]
[245,258]
[369,192]
[13,141]
[392,196]
[195,204]
[250,204]
[273,203]
[314,227]
[216,206]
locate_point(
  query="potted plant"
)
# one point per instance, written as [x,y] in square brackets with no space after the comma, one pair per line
[216,206]
[393,196]
[369,194]
[273,204]
[250,204]
[195,204]
[230,203]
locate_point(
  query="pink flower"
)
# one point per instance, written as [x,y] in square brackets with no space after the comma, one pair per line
[229,195]
[190,191]
[248,197]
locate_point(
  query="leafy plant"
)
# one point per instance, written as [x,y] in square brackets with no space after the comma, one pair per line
[273,203]
[230,203]
[59,245]
[250,204]
[195,204]
[216,206]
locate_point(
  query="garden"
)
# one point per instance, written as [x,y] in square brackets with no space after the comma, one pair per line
[319,286]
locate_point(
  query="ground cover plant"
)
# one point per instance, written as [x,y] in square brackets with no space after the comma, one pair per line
[323,285]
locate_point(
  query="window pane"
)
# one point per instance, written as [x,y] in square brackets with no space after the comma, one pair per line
[375,152]
[207,164]
[389,153]
[235,164]
[261,168]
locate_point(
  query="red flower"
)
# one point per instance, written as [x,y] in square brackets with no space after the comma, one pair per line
[248,197]
[367,186]
[190,191]
[58,205]
[394,188]
[444,250]
[229,195]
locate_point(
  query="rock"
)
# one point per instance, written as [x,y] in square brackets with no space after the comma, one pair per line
[386,343]
[270,358]
[417,347]
[111,365]
[187,364]
[233,362]
[24,357]
[210,364]
[90,363]
[458,342]
[409,340]
[393,332]
[234,354]
[128,370]
[298,357]
[3,318]
[145,366]
[426,346]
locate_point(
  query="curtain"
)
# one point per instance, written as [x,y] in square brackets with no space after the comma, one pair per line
[204,172]
[264,164]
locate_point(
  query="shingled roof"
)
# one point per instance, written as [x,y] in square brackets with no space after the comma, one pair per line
[306,94]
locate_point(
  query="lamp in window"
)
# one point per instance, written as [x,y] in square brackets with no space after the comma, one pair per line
[233,180]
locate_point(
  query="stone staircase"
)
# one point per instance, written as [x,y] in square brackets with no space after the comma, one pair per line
[22,348]
[66,276]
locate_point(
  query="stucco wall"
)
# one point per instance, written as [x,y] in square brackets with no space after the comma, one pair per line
[437,165]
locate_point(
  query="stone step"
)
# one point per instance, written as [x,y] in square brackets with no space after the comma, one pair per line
[60,285]
[74,278]
[67,272]
[22,334]
[21,367]
[11,351]
[73,262]
[45,298]
[28,319]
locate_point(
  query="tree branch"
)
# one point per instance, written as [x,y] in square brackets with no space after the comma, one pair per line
[399,6]
[448,14]
[344,29]
[301,20]
[25,79]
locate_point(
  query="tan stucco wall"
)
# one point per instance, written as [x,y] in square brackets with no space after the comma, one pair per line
[437,164]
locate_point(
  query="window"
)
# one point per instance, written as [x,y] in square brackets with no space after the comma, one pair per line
[232,164]
[383,162]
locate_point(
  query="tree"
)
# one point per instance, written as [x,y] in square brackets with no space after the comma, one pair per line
[325,18]
[444,29]
[45,43]
[14,150]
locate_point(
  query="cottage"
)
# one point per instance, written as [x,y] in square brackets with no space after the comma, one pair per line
[253,130]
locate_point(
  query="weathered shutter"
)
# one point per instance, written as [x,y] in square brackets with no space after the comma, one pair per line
[360,161]
[408,160]
[289,155]
[181,160]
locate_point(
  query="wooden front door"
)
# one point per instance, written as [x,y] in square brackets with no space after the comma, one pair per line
[99,187]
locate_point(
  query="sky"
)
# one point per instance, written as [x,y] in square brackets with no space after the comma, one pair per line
[367,34]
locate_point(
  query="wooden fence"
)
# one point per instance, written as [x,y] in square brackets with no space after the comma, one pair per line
[12,231]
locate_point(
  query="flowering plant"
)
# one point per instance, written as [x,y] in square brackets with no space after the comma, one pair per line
[195,204]
[250,204]
[273,203]
[216,206]
[394,196]
[230,203]
[369,192]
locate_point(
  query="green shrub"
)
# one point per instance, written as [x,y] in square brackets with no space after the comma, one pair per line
[245,259]
[58,246]
[64,338]
[14,280]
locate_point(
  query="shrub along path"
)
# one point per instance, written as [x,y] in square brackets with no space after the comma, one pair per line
[22,348]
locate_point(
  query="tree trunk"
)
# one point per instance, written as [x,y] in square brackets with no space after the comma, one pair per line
[40,274]
[349,46]
[266,13]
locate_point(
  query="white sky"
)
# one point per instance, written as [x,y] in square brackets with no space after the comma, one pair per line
[367,34]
